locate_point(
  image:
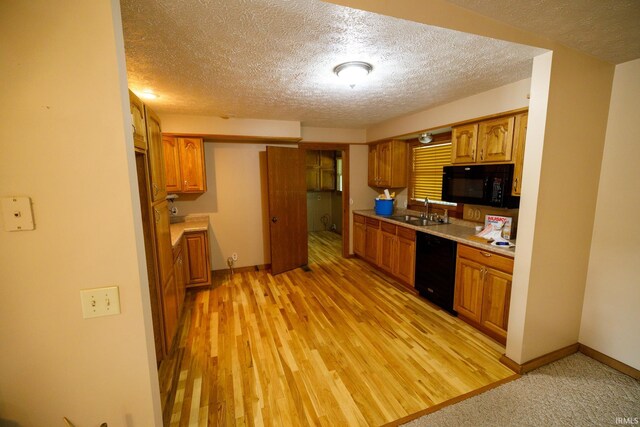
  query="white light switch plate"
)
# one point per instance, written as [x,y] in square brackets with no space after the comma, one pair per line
[16,214]
[100,302]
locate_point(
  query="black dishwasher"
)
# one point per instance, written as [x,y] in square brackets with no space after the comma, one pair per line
[436,269]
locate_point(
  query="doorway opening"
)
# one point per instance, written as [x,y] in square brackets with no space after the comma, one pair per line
[327,183]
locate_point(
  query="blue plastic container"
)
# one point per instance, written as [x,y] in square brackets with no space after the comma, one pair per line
[384,207]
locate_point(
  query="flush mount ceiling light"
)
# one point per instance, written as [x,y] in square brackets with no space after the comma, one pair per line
[148,94]
[425,138]
[353,71]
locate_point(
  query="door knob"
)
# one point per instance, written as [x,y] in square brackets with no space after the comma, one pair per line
[274,219]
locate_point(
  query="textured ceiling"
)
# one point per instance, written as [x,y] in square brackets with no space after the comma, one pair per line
[606,29]
[273,59]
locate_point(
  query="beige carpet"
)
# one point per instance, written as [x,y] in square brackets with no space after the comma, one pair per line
[574,391]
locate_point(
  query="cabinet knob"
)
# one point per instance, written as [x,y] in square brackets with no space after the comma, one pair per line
[274,219]
[482,154]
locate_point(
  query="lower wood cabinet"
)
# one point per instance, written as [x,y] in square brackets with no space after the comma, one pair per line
[170,311]
[483,290]
[198,266]
[388,246]
[359,234]
[180,272]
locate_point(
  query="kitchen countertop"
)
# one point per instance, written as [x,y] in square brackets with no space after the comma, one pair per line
[457,231]
[187,224]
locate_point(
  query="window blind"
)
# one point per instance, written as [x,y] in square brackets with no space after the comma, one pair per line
[426,170]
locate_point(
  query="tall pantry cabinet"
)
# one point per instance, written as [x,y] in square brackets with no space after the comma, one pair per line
[155,222]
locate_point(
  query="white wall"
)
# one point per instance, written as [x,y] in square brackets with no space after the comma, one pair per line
[233,202]
[336,135]
[611,311]
[210,125]
[65,142]
[504,98]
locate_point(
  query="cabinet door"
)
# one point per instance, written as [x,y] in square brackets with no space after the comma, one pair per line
[387,260]
[464,141]
[468,290]
[173,175]
[519,140]
[180,278]
[495,301]
[496,140]
[384,164]
[163,240]
[156,157]
[406,255]
[359,235]
[138,122]
[192,165]
[327,179]
[373,166]
[170,311]
[372,234]
[197,245]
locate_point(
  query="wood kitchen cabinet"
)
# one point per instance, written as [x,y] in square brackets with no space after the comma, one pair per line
[198,266]
[372,234]
[483,290]
[163,240]
[488,141]
[495,140]
[388,164]
[359,234]
[138,121]
[464,142]
[519,142]
[156,156]
[184,164]
[180,272]
[320,170]
[405,268]
[390,247]
[170,311]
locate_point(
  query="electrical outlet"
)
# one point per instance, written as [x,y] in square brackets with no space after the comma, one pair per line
[234,256]
[100,302]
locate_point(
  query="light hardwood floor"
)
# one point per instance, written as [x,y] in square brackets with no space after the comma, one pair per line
[341,344]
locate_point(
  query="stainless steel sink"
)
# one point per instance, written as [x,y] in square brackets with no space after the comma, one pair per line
[414,220]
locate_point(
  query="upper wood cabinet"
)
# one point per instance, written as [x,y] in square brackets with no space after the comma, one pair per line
[388,164]
[184,164]
[138,121]
[320,170]
[519,142]
[156,157]
[464,142]
[173,174]
[488,141]
[483,290]
[495,140]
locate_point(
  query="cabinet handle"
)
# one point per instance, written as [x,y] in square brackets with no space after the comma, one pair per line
[473,154]
[134,128]
[486,254]
[482,154]
[515,184]
[484,273]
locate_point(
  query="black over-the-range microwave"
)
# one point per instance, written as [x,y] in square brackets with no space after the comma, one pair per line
[488,185]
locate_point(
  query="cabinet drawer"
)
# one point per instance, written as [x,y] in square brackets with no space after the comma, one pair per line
[407,233]
[388,228]
[487,258]
[358,219]
[373,222]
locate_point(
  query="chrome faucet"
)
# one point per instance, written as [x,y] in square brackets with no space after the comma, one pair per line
[426,204]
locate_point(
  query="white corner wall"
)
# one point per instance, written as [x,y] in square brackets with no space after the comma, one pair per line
[611,311]
[65,141]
